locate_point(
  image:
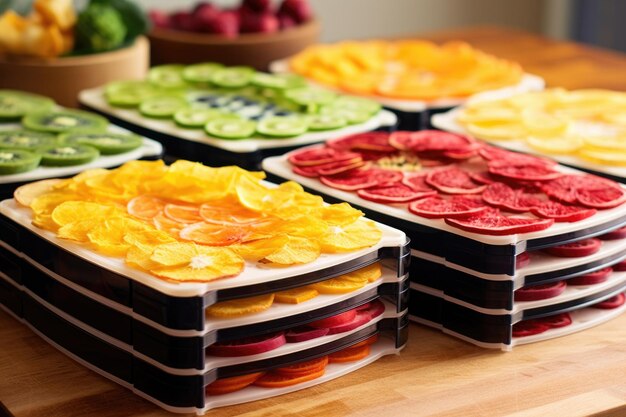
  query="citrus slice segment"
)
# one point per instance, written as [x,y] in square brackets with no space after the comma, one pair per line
[231,384]
[241,307]
[276,380]
[145,207]
[337,286]
[71,211]
[28,192]
[297,250]
[214,234]
[360,234]
[303,368]
[296,295]
[370,273]
[258,249]
[350,354]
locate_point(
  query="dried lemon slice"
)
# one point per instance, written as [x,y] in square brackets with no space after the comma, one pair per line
[340,214]
[27,193]
[297,250]
[555,145]
[241,307]
[360,234]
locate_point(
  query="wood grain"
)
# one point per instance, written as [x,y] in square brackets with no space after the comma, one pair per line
[436,375]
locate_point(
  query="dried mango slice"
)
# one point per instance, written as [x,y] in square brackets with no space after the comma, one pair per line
[296,295]
[27,193]
[297,250]
[360,234]
[337,286]
[241,307]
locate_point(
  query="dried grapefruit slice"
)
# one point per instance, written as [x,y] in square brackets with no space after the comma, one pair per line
[248,346]
[528,328]
[394,194]
[498,225]
[611,303]
[453,181]
[438,208]
[583,247]
[540,292]
[335,320]
[560,212]
[304,333]
[241,307]
[319,155]
[615,234]
[369,141]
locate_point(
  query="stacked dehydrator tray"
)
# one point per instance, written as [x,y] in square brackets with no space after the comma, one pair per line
[465,283]
[152,336]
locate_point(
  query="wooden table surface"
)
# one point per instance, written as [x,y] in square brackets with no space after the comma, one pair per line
[436,375]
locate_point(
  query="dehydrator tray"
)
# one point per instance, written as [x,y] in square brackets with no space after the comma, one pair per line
[488,329]
[197,146]
[177,393]
[480,252]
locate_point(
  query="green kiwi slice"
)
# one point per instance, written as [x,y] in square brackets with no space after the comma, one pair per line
[16,161]
[67,155]
[200,73]
[63,121]
[282,126]
[196,118]
[230,128]
[25,140]
[319,122]
[162,107]
[167,76]
[15,104]
[233,77]
[107,143]
[310,98]
[129,93]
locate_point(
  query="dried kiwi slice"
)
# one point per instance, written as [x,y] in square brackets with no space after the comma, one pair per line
[107,143]
[310,98]
[167,76]
[326,122]
[67,155]
[25,140]
[282,126]
[15,161]
[196,118]
[200,73]
[129,93]
[233,77]
[230,128]
[63,121]
[162,107]
[15,104]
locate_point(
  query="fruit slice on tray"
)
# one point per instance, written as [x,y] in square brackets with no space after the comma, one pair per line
[62,121]
[537,326]
[522,260]
[241,307]
[621,266]
[16,104]
[231,384]
[584,247]
[540,292]
[611,303]
[615,234]
[248,346]
[17,161]
[25,140]
[106,143]
[67,155]
[591,278]
[491,222]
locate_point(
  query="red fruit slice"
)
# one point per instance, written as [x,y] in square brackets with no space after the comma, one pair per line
[460,154]
[495,224]
[471,200]
[556,320]
[359,320]
[522,171]
[438,208]
[498,194]
[560,212]
[540,292]
[491,153]
[360,179]
[182,214]
[588,190]
[584,247]
[615,234]
[310,172]
[319,156]
[398,193]
[431,140]
[601,198]
[522,260]
[620,266]
[529,328]
[369,141]
[338,167]
[418,183]
[335,320]
[373,309]
[453,181]
[482,177]
[304,333]
[248,346]
[592,278]
[611,303]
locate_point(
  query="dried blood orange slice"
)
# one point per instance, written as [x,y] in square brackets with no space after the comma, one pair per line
[560,212]
[430,141]
[231,384]
[601,198]
[498,225]
[591,278]
[491,153]
[372,309]
[303,368]
[522,260]
[145,207]
[369,141]
[319,156]
[522,171]
[211,234]
[588,190]
[351,180]
[482,177]
[556,320]
[540,292]
[304,333]
[359,320]
[338,167]
[276,380]
[502,196]
[248,346]
[583,247]
[417,181]
[398,193]
[335,320]
[351,354]
[529,328]
[611,303]
[453,181]
[438,208]
[615,234]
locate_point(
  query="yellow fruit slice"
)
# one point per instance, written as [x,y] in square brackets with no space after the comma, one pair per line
[139,257]
[46,203]
[488,115]
[617,143]
[258,249]
[27,193]
[241,307]
[78,230]
[108,236]
[337,286]
[539,123]
[370,273]
[297,250]
[71,211]
[360,234]
[296,295]
[339,214]
[257,197]
[501,131]
[555,145]
[142,244]
[603,157]
[45,221]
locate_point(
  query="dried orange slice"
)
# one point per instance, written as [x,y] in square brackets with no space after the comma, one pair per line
[255,196]
[340,214]
[360,234]
[46,203]
[296,295]
[167,225]
[304,226]
[145,207]
[369,341]
[231,384]
[370,273]
[71,211]
[139,257]
[297,250]
[303,368]
[214,234]
[191,262]
[108,236]
[27,193]
[182,214]
[276,380]
[258,249]
[241,307]
[350,354]
[148,237]
[78,230]
[337,286]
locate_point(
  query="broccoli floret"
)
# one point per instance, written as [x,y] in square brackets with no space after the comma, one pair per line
[99,28]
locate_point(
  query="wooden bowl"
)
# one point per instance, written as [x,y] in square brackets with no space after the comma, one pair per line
[254,49]
[62,78]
